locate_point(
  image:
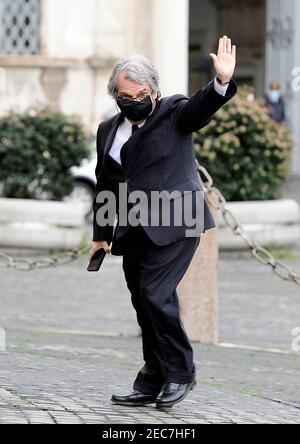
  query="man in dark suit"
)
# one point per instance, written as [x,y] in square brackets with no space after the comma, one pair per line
[148,147]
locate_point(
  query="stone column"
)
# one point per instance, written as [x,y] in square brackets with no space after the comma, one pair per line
[283,61]
[170,35]
[198,290]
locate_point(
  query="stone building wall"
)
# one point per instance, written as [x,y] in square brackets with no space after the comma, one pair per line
[80,42]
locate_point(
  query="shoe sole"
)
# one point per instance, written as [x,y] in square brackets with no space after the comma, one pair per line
[171,404]
[131,404]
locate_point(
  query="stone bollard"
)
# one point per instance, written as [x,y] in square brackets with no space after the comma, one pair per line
[2,340]
[198,290]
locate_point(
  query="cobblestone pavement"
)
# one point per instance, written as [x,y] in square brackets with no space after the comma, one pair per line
[59,378]
[72,341]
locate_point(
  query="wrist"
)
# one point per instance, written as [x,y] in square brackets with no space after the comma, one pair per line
[223,80]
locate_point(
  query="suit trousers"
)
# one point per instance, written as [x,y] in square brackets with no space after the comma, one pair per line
[152,274]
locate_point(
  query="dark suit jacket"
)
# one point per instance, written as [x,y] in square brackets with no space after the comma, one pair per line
[160,156]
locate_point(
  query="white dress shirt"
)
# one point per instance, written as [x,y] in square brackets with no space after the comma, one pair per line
[124,131]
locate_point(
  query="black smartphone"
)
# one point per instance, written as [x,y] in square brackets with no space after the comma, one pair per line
[96,260]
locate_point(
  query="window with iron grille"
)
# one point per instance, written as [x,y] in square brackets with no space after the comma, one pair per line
[19,27]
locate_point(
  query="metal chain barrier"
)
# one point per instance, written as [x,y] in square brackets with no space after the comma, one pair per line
[259,253]
[21,264]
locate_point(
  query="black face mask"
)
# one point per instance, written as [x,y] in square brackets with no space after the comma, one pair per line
[135,111]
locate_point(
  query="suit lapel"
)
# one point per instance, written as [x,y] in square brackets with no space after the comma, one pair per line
[111,135]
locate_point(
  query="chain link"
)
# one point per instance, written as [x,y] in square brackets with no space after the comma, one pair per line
[259,253]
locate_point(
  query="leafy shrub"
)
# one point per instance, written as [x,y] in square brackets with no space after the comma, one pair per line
[37,150]
[245,151]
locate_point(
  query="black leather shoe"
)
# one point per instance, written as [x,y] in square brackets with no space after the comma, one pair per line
[135,399]
[172,393]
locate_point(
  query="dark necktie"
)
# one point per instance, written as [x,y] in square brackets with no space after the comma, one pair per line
[134,128]
[124,147]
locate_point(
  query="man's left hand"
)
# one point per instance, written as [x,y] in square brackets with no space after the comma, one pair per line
[225,60]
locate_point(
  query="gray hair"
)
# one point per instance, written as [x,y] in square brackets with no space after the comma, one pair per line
[137,68]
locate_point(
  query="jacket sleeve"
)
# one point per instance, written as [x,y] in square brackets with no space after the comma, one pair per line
[196,112]
[103,183]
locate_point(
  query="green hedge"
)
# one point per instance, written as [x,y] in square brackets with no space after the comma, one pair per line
[37,150]
[245,151]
